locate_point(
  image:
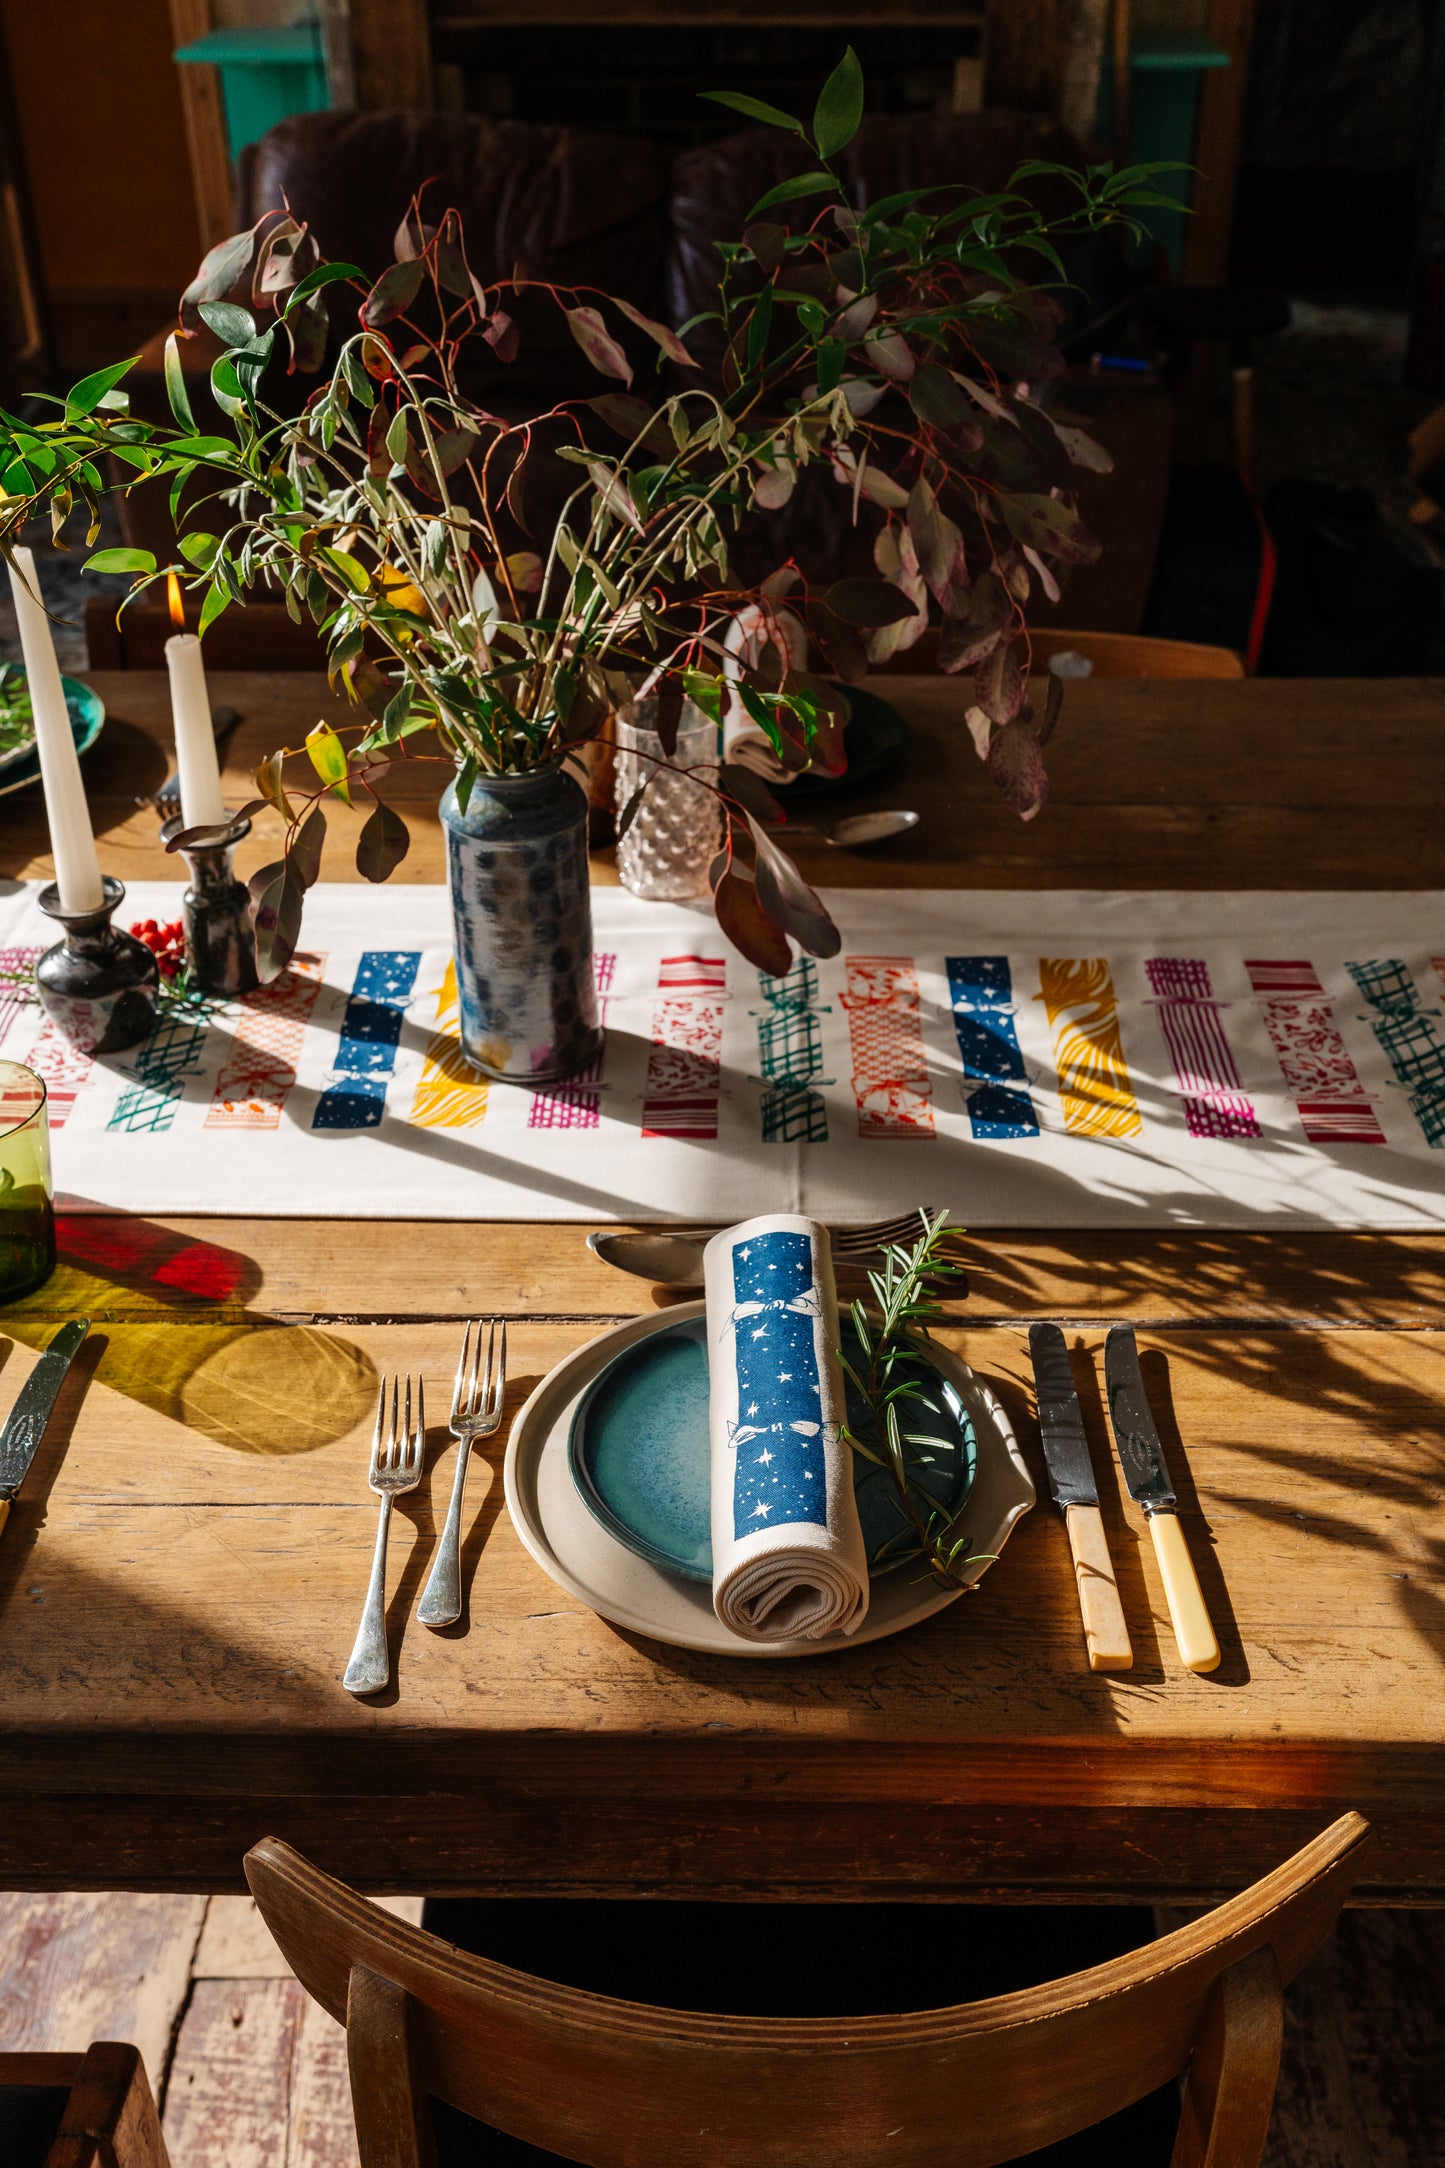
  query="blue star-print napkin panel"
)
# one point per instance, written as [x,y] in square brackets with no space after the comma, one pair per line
[780,1474]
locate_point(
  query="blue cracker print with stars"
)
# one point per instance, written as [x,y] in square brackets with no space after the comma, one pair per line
[981,991]
[370,1036]
[780,1475]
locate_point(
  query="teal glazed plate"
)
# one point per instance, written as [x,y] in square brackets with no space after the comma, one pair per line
[641,1460]
[872,739]
[87,715]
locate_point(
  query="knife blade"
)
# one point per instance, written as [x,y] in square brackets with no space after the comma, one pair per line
[1146,1472]
[25,1424]
[1076,1494]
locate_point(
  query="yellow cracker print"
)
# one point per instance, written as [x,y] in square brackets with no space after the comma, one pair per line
[1094,1085]
[450,1093]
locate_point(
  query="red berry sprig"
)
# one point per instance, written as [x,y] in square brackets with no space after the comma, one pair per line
[166,943]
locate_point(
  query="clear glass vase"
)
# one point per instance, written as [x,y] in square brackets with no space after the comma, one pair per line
[677,830]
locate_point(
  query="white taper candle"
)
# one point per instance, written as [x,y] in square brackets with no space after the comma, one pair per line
[202,805]
[77,869]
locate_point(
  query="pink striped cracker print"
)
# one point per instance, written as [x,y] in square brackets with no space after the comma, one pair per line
[1215,1102]
[65,1070]
[577,1104]
[684,1067]
[259,1071]
[891,1084]
[1317,1070]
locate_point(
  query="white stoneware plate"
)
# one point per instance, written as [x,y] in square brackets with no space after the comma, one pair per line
[576,1551]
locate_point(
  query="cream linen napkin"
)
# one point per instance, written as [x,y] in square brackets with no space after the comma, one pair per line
[788,1557]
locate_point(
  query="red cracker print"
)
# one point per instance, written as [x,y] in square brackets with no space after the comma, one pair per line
[891,1084]
[577,1104]
[260,1068]
[1317,1070]
[684,1068]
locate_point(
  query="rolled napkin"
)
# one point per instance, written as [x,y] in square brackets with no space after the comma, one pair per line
[751,631]
[787,1551]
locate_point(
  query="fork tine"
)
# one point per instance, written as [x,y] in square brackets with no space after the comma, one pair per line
[458,1405]
[494,1405]
[377,1432]
[476,1371]
[417,1441]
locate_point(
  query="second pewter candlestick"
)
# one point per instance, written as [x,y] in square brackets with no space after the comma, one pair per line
[215,909]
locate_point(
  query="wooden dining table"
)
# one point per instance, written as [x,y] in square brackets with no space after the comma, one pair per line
[181,1578]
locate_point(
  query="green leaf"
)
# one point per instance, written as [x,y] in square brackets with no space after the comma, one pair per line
[804,184]
[89,392]
[327,755]
[325,274]
[176,393]
[352,570]
[396,438]
[304,855]
[839,110]
[759,325]
[217,599]
[200,550]
[233,325]
[755,109]
[120,561]
[393,292]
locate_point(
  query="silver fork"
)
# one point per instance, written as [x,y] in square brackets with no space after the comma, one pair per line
[857,1242]
[396,1458]
[476,1412]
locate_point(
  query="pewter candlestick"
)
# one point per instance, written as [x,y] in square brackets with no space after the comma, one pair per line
[220,939]
[98,985]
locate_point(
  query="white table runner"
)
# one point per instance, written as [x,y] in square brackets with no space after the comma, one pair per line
[1044,1059]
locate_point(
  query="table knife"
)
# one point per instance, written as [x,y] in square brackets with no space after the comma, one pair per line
[1076,1494]
[1142,1458]
[25,1424]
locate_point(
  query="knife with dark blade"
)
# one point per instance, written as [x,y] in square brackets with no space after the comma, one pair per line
[25,1424]
[1076,1494]
[1141,1457]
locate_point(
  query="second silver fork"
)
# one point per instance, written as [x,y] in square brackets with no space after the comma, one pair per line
[397,1446]
[476,1413]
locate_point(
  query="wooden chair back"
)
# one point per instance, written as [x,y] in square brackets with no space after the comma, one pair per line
[1113,655]
[109,2119]
[623,2085]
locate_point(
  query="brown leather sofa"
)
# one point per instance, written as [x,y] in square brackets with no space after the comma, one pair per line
[639,220]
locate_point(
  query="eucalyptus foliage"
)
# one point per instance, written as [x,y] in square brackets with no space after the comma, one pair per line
[900,348]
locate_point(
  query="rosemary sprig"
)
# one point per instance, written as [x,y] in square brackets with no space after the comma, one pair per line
[888,1340]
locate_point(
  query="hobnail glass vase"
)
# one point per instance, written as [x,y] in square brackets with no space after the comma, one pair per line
[677,830]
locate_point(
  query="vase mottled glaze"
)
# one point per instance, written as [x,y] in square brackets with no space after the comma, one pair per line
[522,925]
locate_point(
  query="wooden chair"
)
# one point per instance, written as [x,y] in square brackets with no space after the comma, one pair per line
[622,2085]
[79,2111]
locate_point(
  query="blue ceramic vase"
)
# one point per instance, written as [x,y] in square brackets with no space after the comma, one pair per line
[522,925]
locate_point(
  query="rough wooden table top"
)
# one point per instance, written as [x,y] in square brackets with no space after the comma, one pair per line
[181,1578]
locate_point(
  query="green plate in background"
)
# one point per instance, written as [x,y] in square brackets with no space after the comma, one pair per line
[873,739]
[87,716]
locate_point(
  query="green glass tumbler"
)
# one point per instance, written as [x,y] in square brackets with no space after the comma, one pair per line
[27,1210]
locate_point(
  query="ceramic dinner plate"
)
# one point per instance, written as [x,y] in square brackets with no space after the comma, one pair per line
[641,1454]
[572,1545]
[87,713]
[872,738]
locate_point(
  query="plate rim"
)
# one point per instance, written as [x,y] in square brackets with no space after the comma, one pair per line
[91,726]
[573,1373]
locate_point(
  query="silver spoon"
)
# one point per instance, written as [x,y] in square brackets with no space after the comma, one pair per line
[854,832]
[671,1258]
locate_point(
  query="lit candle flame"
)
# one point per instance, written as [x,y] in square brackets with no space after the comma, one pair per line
[175,602]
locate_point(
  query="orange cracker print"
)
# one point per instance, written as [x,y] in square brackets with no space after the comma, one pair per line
[450,1093]
[260,1069]
[1083,1012]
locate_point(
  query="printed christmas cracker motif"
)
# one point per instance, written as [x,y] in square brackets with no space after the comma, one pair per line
[1190,1018]
[17,990]
[981,991]
[684,1068]
[790,1056]
[450,1093]
[1412,1039]
[1094,1086]
[780,1475]
[64,1068]
[890,1068]
[160,1068]
[577,1104]
[1317,1070]
[260,1070]
[370,1035]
